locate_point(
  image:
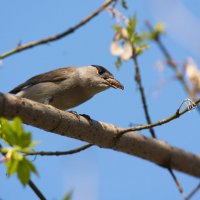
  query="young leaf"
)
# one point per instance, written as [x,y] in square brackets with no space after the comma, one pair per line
[14,133]
[20,140]
[131,25]
[13,162]
[118,62]
[68,196]
[117,28]
[25,167]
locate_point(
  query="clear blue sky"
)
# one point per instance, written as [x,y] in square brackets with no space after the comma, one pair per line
[101,174]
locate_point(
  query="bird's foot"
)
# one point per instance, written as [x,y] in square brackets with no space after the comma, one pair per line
[74,113]
[83,115]
[86,117]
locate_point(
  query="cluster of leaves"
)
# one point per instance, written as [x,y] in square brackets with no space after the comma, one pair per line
[156,31]
[19,140]
[132,42]
[131,39]
[68,196]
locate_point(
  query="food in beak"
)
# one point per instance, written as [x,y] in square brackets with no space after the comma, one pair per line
[114,83]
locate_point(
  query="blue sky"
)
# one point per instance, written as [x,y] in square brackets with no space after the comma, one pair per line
[101,173]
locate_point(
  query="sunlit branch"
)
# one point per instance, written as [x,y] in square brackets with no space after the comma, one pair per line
[58,36]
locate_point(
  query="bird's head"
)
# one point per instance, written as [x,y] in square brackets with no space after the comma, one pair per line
[99,78]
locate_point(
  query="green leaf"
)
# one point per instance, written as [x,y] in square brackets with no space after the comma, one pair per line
[17,126]
[131,27]
[141,48]
[33,144]
[14,133]
[158,30]
[20,140]
[31,167]
[25,167]
[6,131]
[118,62]
[12,166]
[68,196]
[24,140]
[23,172]
[160,27]
[117,28]
[13,162]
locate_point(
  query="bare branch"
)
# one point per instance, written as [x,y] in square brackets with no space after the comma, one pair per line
[143,98]
[170,61]
[57,36]
[59,153]
[36,190]
[147,115]
[194,191]
[177,114]
[179,186]
[102,134]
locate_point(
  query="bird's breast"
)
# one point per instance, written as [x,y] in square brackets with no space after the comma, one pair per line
[70,98]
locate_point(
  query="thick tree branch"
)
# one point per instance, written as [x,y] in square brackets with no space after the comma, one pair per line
[102,134]
[57,36]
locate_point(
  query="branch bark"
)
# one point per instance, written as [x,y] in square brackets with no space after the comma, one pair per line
[102,134]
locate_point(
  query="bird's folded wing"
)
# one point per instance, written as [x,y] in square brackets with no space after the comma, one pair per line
[52,76]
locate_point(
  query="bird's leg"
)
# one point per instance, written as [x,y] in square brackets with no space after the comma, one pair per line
[86,117]
[83,115]
[74,113]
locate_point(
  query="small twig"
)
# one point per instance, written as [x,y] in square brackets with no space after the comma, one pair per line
[193,192]
[32,185]
[57,36]
[138,79]
[190,105]
[173,65]
[177,114]
[36,190]
[177,182]
[139,82]
[170,60]
[118,15]
[59,153]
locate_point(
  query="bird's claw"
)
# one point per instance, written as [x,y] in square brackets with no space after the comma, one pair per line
[74,113]
[86,117]
[83,115]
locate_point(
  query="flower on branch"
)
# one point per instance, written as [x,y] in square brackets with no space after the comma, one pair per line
[127,42]
[121,46]
[193,74]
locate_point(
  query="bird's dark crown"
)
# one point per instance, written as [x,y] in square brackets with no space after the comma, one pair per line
[102,70]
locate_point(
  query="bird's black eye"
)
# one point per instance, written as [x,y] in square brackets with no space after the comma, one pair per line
[101,70]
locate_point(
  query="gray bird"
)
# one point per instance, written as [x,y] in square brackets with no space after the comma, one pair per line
[67,87]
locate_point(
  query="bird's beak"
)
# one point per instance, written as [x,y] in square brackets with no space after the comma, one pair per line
[114,83]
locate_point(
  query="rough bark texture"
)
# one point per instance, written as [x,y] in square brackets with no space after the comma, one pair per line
[102,134]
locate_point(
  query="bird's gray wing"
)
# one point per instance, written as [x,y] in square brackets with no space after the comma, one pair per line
[52,76]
